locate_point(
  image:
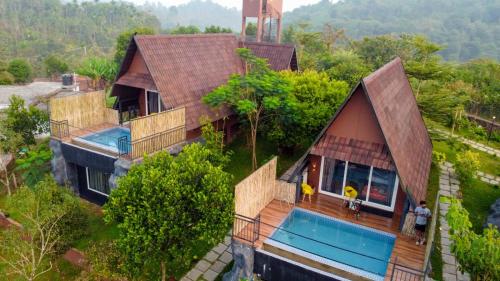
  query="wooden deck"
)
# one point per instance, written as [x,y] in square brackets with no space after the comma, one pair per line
[405,251]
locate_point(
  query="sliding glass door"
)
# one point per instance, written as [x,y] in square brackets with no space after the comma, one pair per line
[376,187]
[153,103]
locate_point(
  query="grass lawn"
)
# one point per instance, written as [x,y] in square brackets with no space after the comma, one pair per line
[466,134]
[433,188]
[490,164]
[477,199]
[241,159]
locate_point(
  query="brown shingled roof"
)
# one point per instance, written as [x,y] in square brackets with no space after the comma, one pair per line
[184,68]
[407,141]
[137,80]
[279,56]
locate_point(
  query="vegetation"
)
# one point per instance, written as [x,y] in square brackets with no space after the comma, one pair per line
[123,40]
[477,199]
[166,206]
[260,91]
[20,70]
[34,164]
[467,165]
[100,70]
[478,254]
[55,66]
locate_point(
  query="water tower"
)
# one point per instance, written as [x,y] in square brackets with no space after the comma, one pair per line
[268,13]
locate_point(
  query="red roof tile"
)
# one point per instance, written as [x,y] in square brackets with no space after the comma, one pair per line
[279,56]
[137,80]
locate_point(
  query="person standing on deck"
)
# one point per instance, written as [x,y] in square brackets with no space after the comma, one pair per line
[422,213]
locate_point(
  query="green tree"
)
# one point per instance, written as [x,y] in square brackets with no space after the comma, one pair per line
[35,164]
[312,101]
[476,254]
[55,66]
[189,29]
[259,90]
[6,78]
[251,29]
[467,165]
[166,206]
[217,29]
[347,66]
[21,70]
[379,50]
[123,40]
[98,69]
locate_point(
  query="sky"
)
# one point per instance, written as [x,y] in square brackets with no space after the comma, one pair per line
[288,5]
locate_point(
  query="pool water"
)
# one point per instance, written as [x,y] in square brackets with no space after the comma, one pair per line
[108,138]
[356,246]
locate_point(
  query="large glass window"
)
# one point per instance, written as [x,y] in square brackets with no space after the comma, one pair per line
[382,187]
[333,176]
[357,177]
[98,181]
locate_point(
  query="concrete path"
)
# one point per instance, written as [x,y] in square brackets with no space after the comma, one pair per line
[449,187]
[473,144]
[487,178]
[212,263]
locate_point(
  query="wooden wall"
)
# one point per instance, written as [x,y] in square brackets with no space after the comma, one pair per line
[82,110]
[153,124]
[256,191]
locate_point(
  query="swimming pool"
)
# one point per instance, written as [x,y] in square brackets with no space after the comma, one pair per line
[350,247]
[106,139]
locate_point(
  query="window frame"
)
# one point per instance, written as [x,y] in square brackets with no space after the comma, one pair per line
[94,190]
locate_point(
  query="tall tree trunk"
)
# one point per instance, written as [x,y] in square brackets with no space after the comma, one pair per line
[163,271]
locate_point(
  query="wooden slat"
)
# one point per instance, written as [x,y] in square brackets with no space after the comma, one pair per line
[153,124]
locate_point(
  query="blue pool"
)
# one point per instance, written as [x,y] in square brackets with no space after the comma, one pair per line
[357,248]
[107,139]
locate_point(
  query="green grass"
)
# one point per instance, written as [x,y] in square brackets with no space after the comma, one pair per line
[241,164]
[468,134]
[432,191]
[490,164]
[477,199]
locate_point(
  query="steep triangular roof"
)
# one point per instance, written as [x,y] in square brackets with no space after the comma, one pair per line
[395,107]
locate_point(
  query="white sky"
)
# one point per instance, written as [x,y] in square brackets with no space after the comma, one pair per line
[288,5]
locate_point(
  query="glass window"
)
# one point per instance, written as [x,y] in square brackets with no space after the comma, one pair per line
[357,177]
[333,175]
[98,181]
[382,187]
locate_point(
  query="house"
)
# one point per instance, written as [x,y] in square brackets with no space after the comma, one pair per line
[158,107]
[376,143]
[161,72]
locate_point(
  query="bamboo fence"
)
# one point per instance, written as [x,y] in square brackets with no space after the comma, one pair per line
[154,124]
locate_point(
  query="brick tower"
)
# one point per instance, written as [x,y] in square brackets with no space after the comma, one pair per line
[268,13]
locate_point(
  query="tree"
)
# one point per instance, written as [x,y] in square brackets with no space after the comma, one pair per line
[123,40]
[252,94]
[189,29]
[98,69]
[55,66]
[467,165]
[21,70]
[312,101]
[27,251]
[166,206]
[217,29]
[347,66]
[251,29]
[6,78]
[34,165]
[476,254]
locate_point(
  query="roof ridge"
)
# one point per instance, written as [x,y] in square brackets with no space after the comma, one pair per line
[383,69]
[198,35]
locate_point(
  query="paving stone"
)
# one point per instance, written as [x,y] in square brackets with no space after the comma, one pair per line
[445,250]
[185,278]
[444,193]
[202,265]
[226,257]
[449,277]
[447,164]
[219,249]
[445,241]
[445,234]
[449,268]
[210,275]
[480,173]
[489,176]
[217,267]
[211,256]
[449,259]
[193,274]
[227,240]
[454,181]
[463,277]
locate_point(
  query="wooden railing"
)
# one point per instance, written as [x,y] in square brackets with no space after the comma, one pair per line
[404,273]
[246,229]
[59,129]
[138,148]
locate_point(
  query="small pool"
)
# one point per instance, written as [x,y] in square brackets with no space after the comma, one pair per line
[107,139]
[361,250]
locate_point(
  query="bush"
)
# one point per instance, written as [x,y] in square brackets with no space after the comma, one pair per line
[21,70]
[467,165]
[6,78]
[54,65]
[438,157]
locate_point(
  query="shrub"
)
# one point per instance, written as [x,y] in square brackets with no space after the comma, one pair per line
[6,78]
[477,254]
[54,65]
[438,157]
[467,165]
[21,70]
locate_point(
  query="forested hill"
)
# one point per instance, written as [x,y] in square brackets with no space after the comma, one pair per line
[33,29]
[469,28]
[198,13]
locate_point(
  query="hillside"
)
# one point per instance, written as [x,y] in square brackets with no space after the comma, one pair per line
[197,12]
[469,28]
[34,29]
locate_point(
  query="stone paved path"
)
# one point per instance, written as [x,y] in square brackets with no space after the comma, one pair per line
[473,144]
[212,263]
[487,178]
[448,186]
